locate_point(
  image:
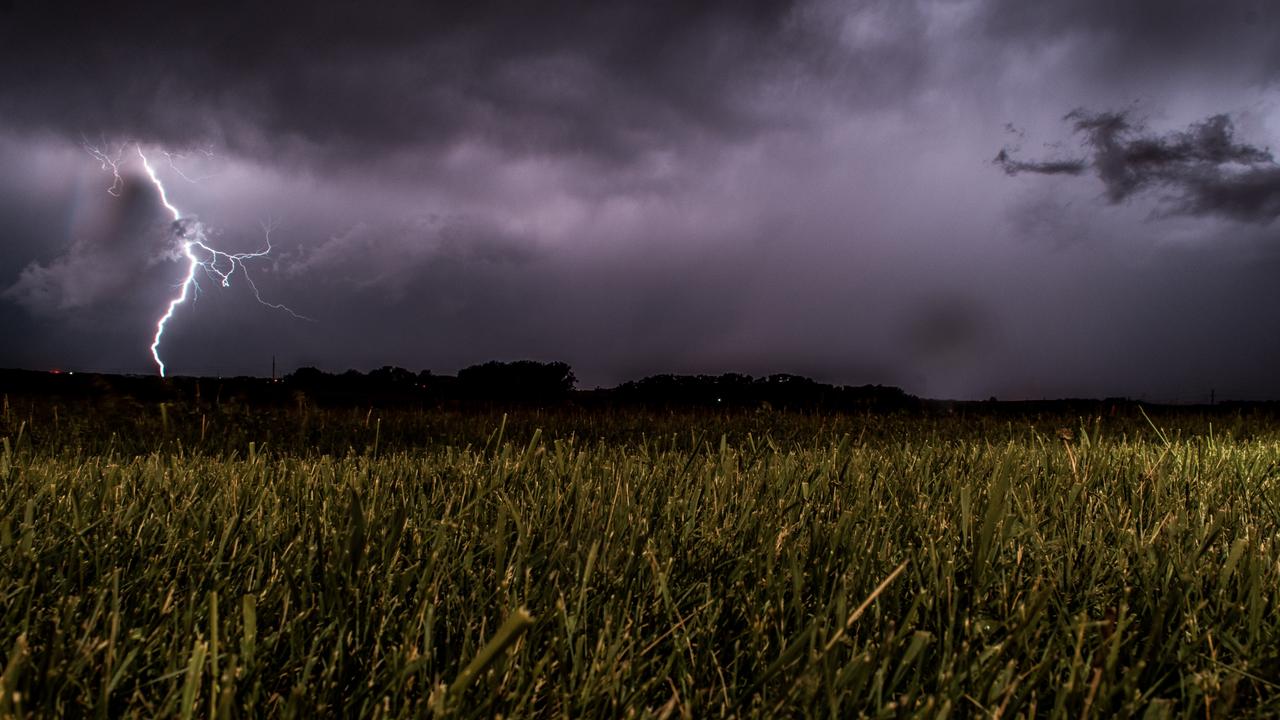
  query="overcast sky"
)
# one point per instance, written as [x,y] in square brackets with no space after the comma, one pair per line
[964,198]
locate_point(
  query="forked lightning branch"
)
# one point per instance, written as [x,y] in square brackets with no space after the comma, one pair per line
[192,247]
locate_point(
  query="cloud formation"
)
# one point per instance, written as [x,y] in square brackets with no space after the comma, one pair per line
[607,81]
[112,247]
[1145,43]
[1202,171]
[646,186]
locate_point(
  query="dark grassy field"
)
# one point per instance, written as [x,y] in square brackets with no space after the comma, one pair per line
[200,558]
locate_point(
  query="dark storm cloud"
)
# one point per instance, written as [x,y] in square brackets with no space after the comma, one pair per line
[111,246]
[389,258]
[1203,170]
[1152,40]
[945,324]
[602,80]
[1044,167]
[639,187]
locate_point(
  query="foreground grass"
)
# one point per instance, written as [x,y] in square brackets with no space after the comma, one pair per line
[908,570]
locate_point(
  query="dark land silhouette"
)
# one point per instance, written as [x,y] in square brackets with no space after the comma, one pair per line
[519,383]
[528,383]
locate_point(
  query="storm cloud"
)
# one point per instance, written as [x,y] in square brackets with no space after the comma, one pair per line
[632,187]
[346,82]
[1202,170]
[1140,44]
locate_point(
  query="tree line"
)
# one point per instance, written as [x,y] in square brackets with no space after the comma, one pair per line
[523,382]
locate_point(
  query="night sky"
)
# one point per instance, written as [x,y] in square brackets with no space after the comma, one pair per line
[963,198]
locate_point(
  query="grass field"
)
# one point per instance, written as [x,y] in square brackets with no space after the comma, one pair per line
[202,561]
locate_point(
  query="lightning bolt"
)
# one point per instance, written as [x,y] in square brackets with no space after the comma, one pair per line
[217,265]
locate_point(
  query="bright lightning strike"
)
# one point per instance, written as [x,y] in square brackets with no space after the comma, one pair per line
[217,265]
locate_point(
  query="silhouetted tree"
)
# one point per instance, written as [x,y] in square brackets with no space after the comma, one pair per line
[351,381]
[520,381]
[737,390]
[308,377]
[438,387]
[391,379]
